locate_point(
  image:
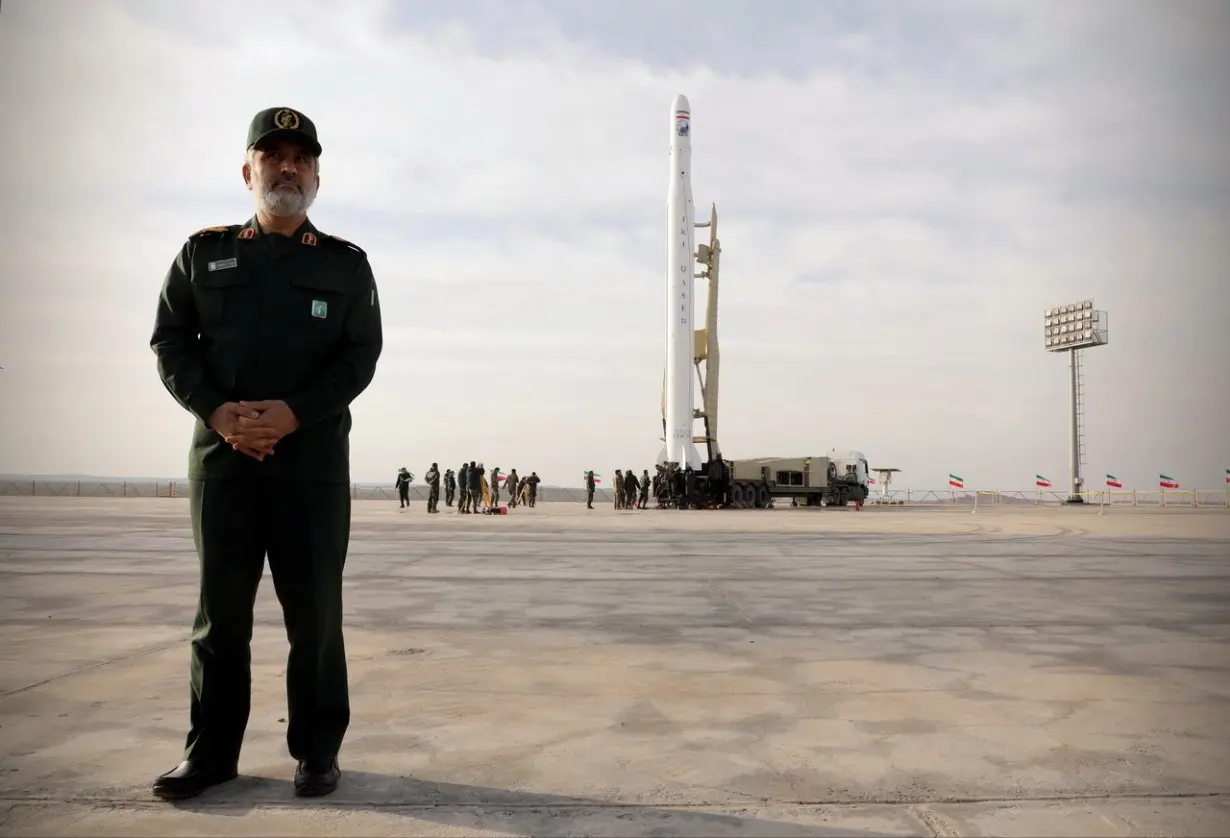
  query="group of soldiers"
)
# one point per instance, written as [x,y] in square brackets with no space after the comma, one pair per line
[474,490]
[477,491]
[631,492]
[672,487]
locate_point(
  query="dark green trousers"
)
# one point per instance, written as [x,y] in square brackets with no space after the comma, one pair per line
[304,529]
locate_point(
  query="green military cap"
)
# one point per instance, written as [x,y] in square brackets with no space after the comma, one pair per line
[274,124]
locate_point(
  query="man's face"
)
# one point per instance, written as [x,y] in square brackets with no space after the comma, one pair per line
[284,177]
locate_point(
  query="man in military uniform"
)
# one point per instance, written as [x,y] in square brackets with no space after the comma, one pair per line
[266,331]
[450,487]
[618,485]
[403,487]
[513,484]
[475,476]
[495,487]
[630,489]
[643,498]
[533,480]
[433,488]
[463,488]
[590,486]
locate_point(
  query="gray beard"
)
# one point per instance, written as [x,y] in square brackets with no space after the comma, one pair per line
[286,202]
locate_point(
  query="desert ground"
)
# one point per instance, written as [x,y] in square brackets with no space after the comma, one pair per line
[561,671]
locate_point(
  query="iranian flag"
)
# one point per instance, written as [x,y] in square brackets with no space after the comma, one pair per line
[597,477]
[1113,482]
[1228,475]
[871,480]
[1167,482]
[1043,482]
[956,482]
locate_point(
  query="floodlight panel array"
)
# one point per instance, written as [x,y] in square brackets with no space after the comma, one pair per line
[1073,325]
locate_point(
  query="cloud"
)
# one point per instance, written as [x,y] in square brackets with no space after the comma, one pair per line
[901,192]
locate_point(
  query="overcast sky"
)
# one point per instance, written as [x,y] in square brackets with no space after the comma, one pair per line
[902,190]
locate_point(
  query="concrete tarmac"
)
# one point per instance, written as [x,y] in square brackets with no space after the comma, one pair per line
[560,671]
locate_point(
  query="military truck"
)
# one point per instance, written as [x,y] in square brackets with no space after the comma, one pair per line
[833,480]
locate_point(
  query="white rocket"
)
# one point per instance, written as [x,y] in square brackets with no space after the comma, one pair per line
[680,254]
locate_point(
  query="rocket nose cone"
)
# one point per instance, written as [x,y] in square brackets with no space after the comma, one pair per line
[681,104]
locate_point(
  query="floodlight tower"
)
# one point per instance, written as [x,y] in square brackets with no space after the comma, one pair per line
[1071,328]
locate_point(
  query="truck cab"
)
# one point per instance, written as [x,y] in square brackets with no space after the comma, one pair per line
[852,466]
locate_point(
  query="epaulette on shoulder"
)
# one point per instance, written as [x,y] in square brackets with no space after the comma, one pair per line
[207,232]
[343,242]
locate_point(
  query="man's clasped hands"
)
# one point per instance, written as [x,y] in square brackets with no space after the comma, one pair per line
[253,428]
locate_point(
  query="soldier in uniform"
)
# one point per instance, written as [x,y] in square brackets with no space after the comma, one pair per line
[266,331]
[618,485]
[590,486]
[630,488]
[403,487]
[533,480]
[495,487]
[463,488]
[433,488]
[643,499]
[475,476]
[450,487]
[513,484]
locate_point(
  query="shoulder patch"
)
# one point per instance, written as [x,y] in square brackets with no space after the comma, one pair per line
[342,241]
[204,231]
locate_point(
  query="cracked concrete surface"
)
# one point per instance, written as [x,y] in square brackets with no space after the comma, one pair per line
[559,671]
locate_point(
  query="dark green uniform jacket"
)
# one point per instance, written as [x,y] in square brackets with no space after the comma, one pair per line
[249,316]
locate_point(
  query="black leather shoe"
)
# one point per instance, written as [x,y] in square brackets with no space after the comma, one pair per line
[316,780]
[190,778]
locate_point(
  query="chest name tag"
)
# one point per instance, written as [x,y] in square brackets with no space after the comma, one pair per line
[223,264]
[320,309]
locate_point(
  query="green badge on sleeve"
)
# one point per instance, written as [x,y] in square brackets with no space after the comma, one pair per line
[320,309]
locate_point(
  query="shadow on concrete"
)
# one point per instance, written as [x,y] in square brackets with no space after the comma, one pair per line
[467,807]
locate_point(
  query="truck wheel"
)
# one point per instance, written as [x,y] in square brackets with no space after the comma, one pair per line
[736,495]
[762,497]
